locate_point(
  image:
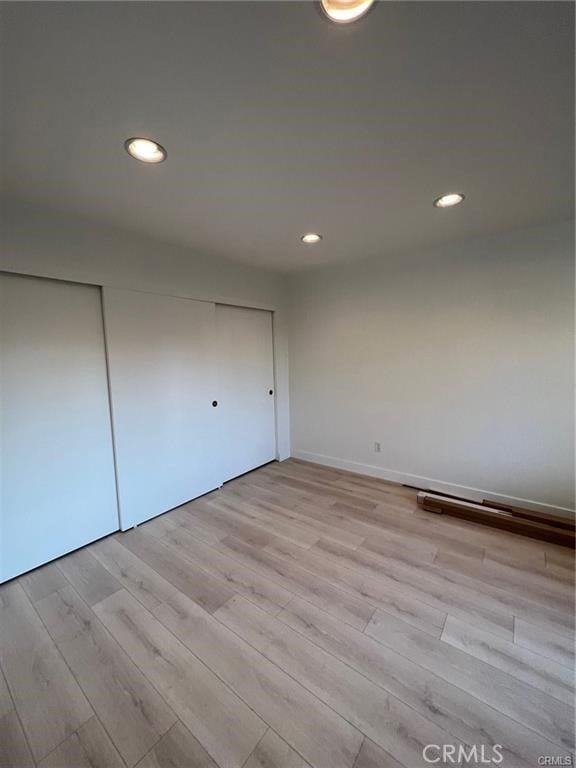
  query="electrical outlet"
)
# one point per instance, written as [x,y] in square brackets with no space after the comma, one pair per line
[377,447]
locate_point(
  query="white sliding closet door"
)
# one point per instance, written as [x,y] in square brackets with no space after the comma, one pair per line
[246,365]
[163,376]
[56,465]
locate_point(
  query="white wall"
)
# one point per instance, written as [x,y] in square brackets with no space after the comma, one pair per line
[38,241]
[458,360]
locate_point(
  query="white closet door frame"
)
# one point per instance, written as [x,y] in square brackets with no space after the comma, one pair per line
[57,478]
[275,386]
[163,380]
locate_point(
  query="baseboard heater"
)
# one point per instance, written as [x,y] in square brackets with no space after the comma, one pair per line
[552,528]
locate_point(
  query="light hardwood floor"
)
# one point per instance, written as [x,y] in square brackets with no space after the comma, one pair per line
[300,616]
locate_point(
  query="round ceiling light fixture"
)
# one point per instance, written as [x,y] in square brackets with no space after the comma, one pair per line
[145,150]
[449,200]
[311,238]
[345,11]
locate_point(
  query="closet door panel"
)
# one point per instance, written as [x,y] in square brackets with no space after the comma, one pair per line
[161,356]
[56,466]
[246,368]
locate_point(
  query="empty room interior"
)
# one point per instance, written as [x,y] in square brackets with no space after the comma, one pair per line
[286,384]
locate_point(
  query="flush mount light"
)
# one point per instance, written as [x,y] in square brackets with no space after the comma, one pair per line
[449,200]
[345,11]
[145,150]
[310,238]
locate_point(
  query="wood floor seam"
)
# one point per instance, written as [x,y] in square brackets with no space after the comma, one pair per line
[357,670]
[263,653]
[293,678]
[242,639]
[232,554]
[256,747]
[114,642]
[17,714]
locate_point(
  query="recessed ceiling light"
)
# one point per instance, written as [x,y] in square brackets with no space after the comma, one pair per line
[449,200]
[145,150]
[345,11]
[310,238]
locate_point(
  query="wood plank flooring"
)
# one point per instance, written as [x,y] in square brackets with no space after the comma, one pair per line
[299,617]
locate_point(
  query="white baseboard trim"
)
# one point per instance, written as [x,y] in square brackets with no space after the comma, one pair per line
[429,484]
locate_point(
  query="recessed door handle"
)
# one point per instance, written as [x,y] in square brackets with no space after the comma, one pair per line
[214,403]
